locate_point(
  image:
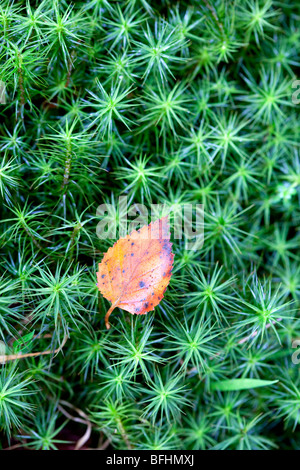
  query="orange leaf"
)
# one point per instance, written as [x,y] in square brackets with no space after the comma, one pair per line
[135,272]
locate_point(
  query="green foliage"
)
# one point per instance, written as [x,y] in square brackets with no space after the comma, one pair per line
[169,103]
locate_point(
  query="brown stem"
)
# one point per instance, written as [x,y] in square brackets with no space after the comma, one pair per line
[15,446]
[67,171]
[113,306]
[66,178]
[85,421]
[21,86]
[12,357]
[70,66]
[104,445]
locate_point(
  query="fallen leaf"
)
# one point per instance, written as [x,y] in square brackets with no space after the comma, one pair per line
[136,270]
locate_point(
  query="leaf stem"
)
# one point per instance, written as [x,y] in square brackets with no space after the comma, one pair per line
[113,306]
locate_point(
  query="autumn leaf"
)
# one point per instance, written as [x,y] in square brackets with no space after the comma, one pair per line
[135,272]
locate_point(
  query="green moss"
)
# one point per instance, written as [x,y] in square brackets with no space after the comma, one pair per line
[169,103]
